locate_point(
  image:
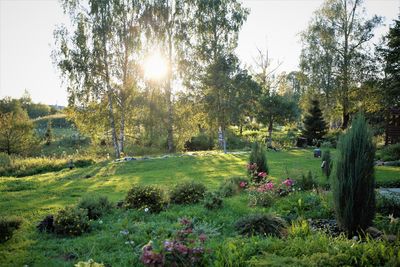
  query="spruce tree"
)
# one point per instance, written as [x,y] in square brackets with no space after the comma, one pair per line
[354,182]
[314,124]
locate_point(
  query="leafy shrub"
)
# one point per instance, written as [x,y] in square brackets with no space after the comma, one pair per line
[306,182]
[8,226]
[46,225]
[259,157]
[145,197]
[212,201]
[81,163]
[187,193]
[391,152]
[262,199]
[353,186]
[327,163]
[5,160]
[71,221]
[260,224]
[232,186]
[95,207]
[199,142]
[388,203]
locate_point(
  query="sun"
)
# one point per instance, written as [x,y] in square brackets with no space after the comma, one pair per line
[155,67]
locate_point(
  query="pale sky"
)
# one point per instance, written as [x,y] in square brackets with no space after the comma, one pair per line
[26,39]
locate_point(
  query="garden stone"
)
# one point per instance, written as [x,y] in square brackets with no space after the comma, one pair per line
[373,232]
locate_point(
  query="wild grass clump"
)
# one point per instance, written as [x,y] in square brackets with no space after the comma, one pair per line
[261,224]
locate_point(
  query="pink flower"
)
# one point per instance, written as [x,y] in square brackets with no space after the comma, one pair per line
[265,187]
[202,238]
[242,184]
[270,185]
[288,182]
[262,174]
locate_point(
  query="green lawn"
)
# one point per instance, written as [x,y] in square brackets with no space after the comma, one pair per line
[34,197]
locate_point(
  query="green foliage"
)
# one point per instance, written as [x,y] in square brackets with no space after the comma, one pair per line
[31,166]
[232,186]
[5,160]
[199,142]
[58,121]
[17,135]
[7,227]
[390,152]
[262,199]
[258,156]
[96,207]
[353,186]
[71,221]
[145,197]
[327,163]
[260,224]
[388,204]
[213,201]
[187,193]
[49,133]
[307,182]
[299,228]
[314,125]
[89,263]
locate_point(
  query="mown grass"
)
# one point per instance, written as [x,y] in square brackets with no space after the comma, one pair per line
[36,196]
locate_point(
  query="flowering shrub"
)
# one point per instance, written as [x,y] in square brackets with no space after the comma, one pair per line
[185,249]
[255,175]
[71,221]
[188,193]
[145,197]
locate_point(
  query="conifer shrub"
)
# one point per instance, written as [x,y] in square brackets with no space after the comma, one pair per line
[327,164]
[188,193]
[145,197]
[259,157]
[314,125]
[306,182]
[8,226]
[354,182]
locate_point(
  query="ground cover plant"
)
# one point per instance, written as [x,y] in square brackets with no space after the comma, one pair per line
[118,236]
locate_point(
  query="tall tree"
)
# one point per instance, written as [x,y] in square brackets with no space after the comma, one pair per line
[314,125]
[97,59]
[391,58]
[335,49]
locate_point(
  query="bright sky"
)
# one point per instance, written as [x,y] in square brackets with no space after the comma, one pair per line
[26,39]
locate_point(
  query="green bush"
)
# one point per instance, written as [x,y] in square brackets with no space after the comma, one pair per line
[259,157]
[262,199]
[5,160]
[327,163]
[81,163]
[353,186]
[96,207]
[71,221]
[187,193]
[307,182]
[388,203]
[7,227]
[260,224]
[232,186]
[199,142]
[145,197]
[212,201]
[391,152]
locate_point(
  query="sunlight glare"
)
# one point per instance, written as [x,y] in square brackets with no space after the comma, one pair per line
[155,67]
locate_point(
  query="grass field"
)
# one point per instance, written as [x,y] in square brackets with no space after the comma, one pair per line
[36,196]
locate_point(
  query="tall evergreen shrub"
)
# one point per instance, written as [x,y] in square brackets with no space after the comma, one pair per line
[314,124]
[259,157]
[353,186]
[327,163]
